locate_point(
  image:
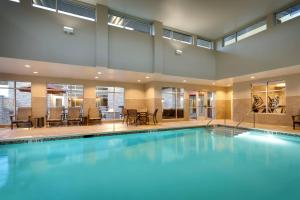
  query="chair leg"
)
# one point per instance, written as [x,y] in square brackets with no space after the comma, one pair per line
[12,126]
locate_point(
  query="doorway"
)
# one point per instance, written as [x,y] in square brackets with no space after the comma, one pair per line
[202,105]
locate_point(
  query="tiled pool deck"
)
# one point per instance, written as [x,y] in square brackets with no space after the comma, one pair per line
[22,134]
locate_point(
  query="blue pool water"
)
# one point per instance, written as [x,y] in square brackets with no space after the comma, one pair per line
[177,164]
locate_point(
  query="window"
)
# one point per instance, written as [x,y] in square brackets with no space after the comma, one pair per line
[252,30]
[181,37]
[204,43]
[68,7]
[13,95]
[288,14]
[129,23]
[76,9]
[45,4]
[229,39]
[110,100]
[173,103]
[269,97]
[64,95]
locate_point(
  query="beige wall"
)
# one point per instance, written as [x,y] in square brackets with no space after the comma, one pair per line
[242,101]
[136,95]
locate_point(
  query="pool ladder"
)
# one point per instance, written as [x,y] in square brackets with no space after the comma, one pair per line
[243,119]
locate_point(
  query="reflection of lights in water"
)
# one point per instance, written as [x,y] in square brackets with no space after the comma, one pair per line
[4,170]
[266,138]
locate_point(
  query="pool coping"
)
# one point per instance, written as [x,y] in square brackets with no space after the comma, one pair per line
[31,139]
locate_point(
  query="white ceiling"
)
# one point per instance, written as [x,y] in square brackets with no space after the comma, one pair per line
[56,70]
[211,19]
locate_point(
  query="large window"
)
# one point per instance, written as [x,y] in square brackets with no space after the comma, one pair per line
[13,95]
[68,7]
[172,102]
[245,33]
[110,100]
[129,23]
[288,14]
[181,37]
[205,43]
[64,95]
[269,97]
[252,30]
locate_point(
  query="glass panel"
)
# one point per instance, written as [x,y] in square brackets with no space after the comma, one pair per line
[259,94]
[182,37]
[288,14]
[229,39]
[76,9]
[252,30]
[7,101]
[23,94]
[45,4]
[110,101]
[173,103]
[180,103]
[211,111]
[129,23]
[201,104]
[204,43]
[276,97]
[167,34]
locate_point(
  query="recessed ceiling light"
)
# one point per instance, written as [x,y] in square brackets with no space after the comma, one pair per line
[138,80]
[228,85]
[252,77]
[96,77]
[147,77]
[214,83]
[99,73]
[27,66]
[35,72]
[184,81]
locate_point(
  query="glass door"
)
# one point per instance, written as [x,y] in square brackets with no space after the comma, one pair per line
[202,96]
[211,105]
[193,106]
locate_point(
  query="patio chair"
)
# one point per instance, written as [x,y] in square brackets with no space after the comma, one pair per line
[296,120]
[154,116]
[23,117]
[94,115]
[124,114]
[55,116]
[74,115]
[143,118]
[132,117]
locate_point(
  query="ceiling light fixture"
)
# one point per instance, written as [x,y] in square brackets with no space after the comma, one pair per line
[96,77]
[138,80]
[184,81]
[99,73]
[147,77]
[252,77]
[35,72]
[214,83]
[17,1]
[27,66]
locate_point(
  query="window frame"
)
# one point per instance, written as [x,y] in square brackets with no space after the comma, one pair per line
[209,41]
[178,92]
[289,11]
[177,32]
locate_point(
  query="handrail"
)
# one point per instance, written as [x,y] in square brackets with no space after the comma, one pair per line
[242,120]
[209,121]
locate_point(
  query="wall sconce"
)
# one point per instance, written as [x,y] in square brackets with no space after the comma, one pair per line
[68,30]
[178,51]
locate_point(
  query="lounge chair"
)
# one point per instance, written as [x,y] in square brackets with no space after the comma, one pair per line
[132,117]
[154,116]
[55,115]
[23,117]
[94,114]
[296,120]
[74,115]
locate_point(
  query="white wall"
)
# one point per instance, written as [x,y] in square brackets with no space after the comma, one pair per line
[193,62]
[275,48]
[130,50]
[36,34]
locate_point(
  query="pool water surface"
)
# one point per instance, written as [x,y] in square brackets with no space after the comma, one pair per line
[180,164]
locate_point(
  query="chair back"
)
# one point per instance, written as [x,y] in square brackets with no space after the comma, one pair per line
[94,112]
[74,112]
[142,110]
[124,111]
[23,113]
[155,112]
[132,112]
[55,113]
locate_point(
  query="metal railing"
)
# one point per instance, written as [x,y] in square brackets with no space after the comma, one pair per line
[243,119]
[209,122]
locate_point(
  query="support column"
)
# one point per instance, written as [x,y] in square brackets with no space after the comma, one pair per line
[102,49]
[158,61]
[89,97]
[39,98]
